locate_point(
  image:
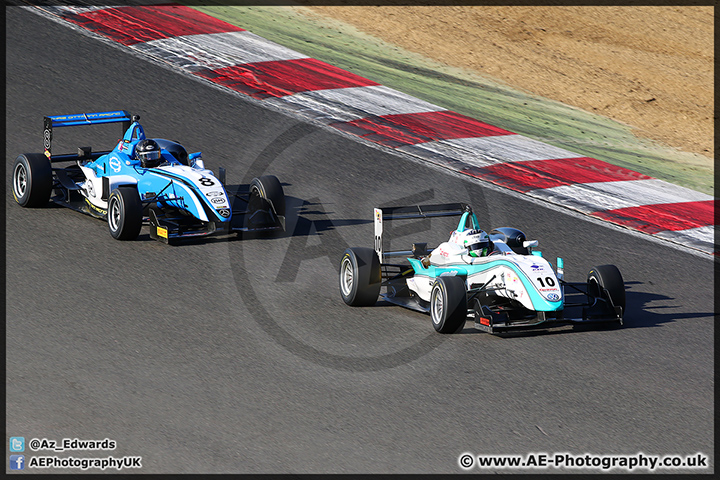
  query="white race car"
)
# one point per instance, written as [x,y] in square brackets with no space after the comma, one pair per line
[496,279]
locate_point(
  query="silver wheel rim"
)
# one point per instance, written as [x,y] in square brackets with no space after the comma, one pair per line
[20,180]
[437,305]
[114,214]
[346,277]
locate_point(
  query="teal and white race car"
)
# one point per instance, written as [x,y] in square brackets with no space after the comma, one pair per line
[496,280]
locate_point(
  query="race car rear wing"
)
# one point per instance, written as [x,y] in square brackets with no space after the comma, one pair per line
[119,116]
[415,211]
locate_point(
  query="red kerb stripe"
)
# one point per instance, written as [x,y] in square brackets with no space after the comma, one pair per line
[668,216]
[284,77]
[413,128]
[529,175]
[138,24]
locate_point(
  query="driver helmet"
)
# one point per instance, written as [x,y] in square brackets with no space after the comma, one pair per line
[148,152]
[475,241]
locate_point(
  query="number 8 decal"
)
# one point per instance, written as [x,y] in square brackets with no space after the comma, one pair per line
[206,182]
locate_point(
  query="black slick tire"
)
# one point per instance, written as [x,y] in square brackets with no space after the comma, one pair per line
[360,277]
[269,188]
[605,281]
[32,180]
[448,304]
[124,213]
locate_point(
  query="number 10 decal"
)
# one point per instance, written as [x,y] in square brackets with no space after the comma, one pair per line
[549,280]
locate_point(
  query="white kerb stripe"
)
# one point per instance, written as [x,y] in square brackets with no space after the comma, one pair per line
[348,104]
[512,148]
[702,238]
[484,151]
[449,153]
[64,10]
[216,50]
[592,197]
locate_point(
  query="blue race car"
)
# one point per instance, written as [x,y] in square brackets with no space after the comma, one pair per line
[496,279]
[145,181]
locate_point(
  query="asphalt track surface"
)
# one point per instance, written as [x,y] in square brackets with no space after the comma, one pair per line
[238,355]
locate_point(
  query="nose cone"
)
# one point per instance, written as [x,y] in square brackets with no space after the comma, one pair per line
[224,214]
[218,201]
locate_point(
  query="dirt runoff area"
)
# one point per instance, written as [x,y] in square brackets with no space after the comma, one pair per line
[650,67]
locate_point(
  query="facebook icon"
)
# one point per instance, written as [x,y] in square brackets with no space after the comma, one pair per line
[17,462]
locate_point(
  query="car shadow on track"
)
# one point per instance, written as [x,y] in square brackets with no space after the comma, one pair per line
[639,313]
[303,218]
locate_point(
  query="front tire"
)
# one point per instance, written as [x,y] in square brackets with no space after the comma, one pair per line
[360,277]
[32,180]
[269,188]
[448,304]
[266,205]
[124,213]
[605,281]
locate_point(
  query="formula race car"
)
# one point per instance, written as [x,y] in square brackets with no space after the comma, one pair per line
[496,279]
[144,181]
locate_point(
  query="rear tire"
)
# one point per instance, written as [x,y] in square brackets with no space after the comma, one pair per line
[124,213]
[448,304]
[360,277]
[32,180]
[608,278]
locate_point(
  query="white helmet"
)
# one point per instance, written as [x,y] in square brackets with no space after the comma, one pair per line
[476,242]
